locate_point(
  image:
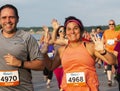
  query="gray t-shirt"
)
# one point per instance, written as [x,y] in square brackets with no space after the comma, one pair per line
[24,47]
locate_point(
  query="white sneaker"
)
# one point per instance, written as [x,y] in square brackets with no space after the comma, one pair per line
[45,78]
[48,86]
[48,83]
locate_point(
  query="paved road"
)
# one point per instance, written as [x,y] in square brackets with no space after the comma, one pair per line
[39,84]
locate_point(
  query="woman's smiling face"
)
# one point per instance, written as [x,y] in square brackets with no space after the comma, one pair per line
[73,32]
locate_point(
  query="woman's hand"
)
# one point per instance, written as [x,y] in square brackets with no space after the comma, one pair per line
[55,24]
[45,28]
[46,34]
[99,45]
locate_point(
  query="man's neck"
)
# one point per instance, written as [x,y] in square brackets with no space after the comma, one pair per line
[8,34]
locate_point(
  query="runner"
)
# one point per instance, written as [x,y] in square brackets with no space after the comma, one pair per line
[78,59]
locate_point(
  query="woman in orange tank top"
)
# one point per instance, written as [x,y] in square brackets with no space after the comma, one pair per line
[78,59]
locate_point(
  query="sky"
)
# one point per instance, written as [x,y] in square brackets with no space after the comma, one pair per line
[36,13]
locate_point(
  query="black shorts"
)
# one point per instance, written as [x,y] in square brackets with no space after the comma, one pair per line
[118,77]
[109,67]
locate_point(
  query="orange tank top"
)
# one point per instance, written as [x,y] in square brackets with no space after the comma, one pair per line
[79,70]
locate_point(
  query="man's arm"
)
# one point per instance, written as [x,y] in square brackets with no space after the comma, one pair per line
[33,65]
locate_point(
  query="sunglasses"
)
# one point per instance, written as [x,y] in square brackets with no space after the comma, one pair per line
[112,24]
[61,31]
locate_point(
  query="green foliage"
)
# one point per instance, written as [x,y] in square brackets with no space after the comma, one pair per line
[117,28]
[35,29]
[89,28]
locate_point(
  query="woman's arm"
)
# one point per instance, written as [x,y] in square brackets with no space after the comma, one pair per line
[52,64]
[101,52]
[55,26]
[108,57]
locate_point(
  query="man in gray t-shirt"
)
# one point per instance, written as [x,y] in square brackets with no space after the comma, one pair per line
[19,53]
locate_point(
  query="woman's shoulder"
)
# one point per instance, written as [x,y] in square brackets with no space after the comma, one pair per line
[90,46]
[62,48]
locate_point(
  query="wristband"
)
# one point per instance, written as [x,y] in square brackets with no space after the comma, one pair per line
[22,64]
[104,52]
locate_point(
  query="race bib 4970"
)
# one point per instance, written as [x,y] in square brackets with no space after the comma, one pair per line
[9,78]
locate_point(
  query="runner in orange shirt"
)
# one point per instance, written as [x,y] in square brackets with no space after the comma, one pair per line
[78,59]
[110,38]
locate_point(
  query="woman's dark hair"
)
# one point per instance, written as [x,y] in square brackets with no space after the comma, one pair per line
[78,21]
[99,28]
[59,29]
[0,26]
[10,6]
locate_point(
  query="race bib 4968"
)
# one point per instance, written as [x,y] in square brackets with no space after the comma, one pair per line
[76,79]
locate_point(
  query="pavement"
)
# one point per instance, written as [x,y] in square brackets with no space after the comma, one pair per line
[40,84]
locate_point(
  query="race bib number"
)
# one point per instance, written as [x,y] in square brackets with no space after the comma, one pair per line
[50,55]
[110,42]
[76,79]
[9,78]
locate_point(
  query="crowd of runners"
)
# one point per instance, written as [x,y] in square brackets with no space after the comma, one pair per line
[70,52]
